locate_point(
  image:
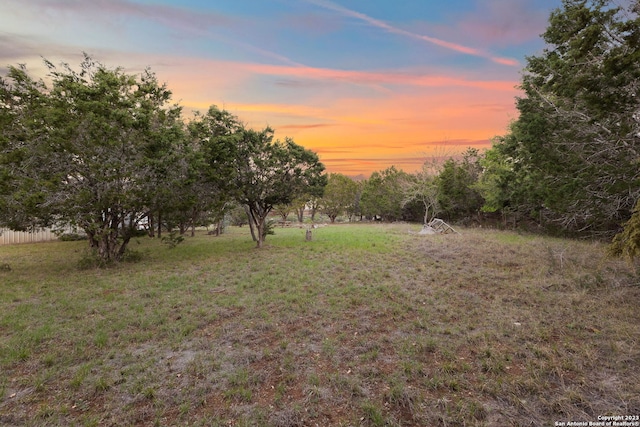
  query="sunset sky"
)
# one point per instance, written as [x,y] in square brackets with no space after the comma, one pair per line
[365,83]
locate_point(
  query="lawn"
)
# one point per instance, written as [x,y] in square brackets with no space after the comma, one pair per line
[364,325]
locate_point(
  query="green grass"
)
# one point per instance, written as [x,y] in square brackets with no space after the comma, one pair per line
[364,325]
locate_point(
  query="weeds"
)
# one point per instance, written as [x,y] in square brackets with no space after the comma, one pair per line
[173,239]
[372,414]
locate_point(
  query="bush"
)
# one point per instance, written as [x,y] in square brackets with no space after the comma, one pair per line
[268,228]
[72,237]
[627,242]
[90,259]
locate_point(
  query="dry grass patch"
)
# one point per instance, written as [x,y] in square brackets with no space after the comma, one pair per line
[365,325]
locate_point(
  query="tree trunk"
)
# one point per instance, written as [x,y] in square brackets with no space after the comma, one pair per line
[300,213]
[251,223]
[194,216]
[151,225]
[159,225]
[258,215]
[123,246]
[261,231]
[426,214]
[105,239]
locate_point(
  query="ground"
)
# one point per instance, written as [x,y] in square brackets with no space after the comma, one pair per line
[364,325]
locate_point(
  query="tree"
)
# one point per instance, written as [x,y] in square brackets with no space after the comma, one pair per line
[169,161]
[213,138]
[299,205]
[283,210]
[494,181]
[382,194]
[354,208]
[457,195]
[574,149]
[81,148]
[269,173]
[23,114]
[339,195]
[423,188]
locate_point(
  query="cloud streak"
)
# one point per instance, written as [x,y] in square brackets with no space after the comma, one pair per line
[326,4]
[184,22]
[170,16]
[373,78]
[306,126]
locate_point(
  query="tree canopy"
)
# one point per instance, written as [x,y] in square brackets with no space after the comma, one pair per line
[340,196]
[82,150]
[101,149]
[571,157]
[382,194]
[269,173]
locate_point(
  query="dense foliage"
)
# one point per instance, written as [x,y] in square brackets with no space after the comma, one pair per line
[382,194]
[268,173]
[104,150]
[85,151]
[340,196]
[571,158]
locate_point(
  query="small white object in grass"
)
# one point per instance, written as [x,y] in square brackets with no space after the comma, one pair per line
[517,323]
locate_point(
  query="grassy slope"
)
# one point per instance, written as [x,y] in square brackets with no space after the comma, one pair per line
[365,325]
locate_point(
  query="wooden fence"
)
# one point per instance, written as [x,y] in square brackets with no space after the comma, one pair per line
[8,237]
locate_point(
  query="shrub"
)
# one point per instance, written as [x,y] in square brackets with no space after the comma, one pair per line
[72,237]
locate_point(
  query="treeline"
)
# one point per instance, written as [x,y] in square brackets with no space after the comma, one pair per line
[447,189]
[104,151]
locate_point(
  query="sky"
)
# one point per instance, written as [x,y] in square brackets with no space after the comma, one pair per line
[364,83]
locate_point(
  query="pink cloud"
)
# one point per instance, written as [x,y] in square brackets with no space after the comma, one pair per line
[502,22]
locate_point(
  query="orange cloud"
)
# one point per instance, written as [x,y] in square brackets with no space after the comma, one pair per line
[357,135]
[405,130]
